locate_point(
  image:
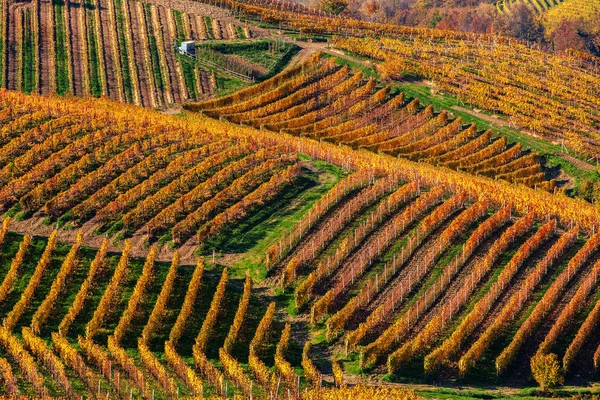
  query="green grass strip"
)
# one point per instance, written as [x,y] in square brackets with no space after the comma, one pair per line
[29,64]
[60,48]
[122,42]
[93,56]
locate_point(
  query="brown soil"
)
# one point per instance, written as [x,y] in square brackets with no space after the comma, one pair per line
[35,226]
[168,40]
[495,120]
[15,18]
[112,65]
[141,62]
[577,162]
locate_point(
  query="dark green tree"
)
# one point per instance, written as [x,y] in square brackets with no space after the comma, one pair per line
[334,6]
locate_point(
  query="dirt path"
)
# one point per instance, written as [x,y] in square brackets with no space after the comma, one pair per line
[577,162]
[493,120]
[35,226]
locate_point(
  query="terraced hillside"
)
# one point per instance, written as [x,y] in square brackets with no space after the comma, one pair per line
[540,6]
[573,9]
[324,101]
[117,48]
[549,96]
[531,93]
[391,263]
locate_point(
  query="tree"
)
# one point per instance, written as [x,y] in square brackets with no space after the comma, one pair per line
[596,193]
[567,35]
[334,6]
[520,23]
[546,370]
[372,7]
[586,189]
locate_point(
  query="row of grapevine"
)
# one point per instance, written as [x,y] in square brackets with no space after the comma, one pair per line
[11,276]
[41,314]
[161,302]
[100,313]
[451,305]
[82,294]
[13,316]
[87,48]
[483,306]
[357,114]
[136,297]
[516,302]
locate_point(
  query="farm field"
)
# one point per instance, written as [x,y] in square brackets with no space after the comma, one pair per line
[393,267]
[316,207]
[540,6]
[327,102]
[479,70]
[122,49]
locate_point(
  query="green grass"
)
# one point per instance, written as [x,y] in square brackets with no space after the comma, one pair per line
[93,56]
[122,44]
[178,17]
[209,29]
[259,52]
[60,48]
[368,72]
[253,235]
[29,58]
[153,47]
[256,53]
[239,31]
[227,85]
[550,151]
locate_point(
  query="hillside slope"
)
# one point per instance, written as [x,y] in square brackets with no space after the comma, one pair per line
[324,101]
[391,248]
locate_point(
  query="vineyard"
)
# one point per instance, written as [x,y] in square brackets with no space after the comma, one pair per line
[115,326]
[91,169]
[326,102]
[549,96]
[488,77]
[574,9]
[540,6]
[396,267]
[122,49]
[317,229]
